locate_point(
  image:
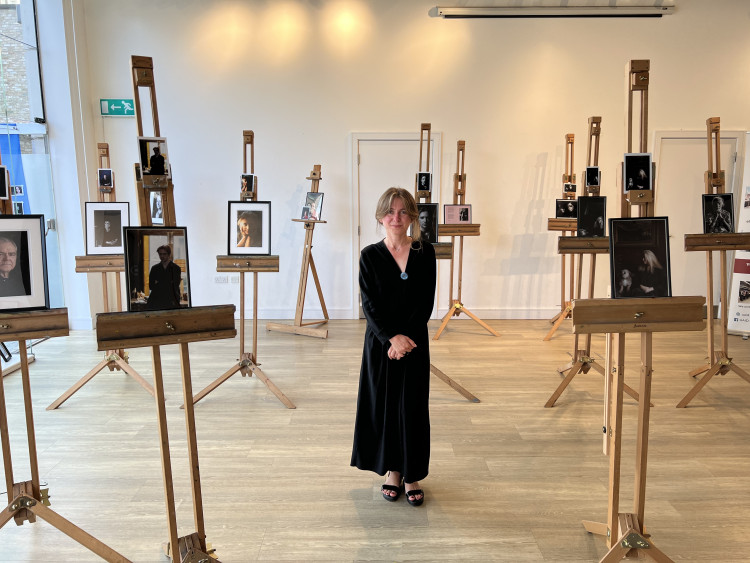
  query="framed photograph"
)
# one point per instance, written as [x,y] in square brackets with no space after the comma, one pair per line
[592,216]
[105,177]
[637,171]
[718,213]
[154,157]
[249,229]
[455,214]
[156,199]
[428,221]
[23,264]
[313,207]
[639,257]
[247,184]
[4,184]
[566,208]
[569,188]
[744,291]
[424,181]
[592,176]
[104,224]
[156,268]
[16,190]
[137,171]
[17,208]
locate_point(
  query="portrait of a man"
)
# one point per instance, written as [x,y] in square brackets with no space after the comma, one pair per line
[428,221]
[11,266]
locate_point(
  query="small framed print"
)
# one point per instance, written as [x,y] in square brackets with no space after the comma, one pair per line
[428,221]
[23,264]
[639,257]
[156,204]
[154,157]
[718,213]
[592,176]
[4,184]
[637,172]
[456,214]
[566,208]
[104,176]
[17,208]
[104,224]
[569,188]
[313,207]
[592,216]
[424,181]
[249,229]
[248,183]
[16,190]
[156,268]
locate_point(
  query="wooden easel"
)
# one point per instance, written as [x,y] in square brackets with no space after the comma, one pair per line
[248,363]
[459,192]
[104,263]
[565,226]
[308,265]
[27,499]
[143,76]
[719,361]
[155,329]
[582,361]
[625,532]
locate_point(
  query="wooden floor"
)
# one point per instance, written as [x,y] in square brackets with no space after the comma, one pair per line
[509,480]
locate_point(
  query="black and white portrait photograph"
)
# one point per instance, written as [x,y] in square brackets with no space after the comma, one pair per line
[718,213]
[744,291]
[592,216]
[592,176]
[154,157]
[156,268]
[566,208]
[157,207]
[313,207]
[4,184]
[637,171]
[569,188]
[428,221]
[249,227]
[247,184]
[23,263]
[104,224]
[17,208]
[17,190]
[105,177]
[424,181]
[639,257]
[456,214]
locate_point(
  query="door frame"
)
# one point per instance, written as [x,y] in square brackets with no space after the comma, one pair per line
[435,136]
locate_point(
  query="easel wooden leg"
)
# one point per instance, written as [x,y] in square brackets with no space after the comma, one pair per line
[275,390]
[5,440]
[565,314]
[644,413]
[698,386]
[615,437]
[453,384]
[31,435]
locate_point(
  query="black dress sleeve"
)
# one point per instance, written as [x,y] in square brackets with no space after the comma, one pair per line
[373,296]
[427,297]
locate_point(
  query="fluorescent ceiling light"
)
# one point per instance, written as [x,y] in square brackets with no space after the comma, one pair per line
[560,11]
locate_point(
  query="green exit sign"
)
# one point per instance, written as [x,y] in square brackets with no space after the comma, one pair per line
[118,107]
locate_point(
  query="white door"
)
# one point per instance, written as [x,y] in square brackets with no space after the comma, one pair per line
[681,160]
[380,161]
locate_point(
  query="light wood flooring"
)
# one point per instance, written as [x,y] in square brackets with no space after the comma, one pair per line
[509,480]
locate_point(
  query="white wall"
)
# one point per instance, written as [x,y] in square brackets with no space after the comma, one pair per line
[293,72]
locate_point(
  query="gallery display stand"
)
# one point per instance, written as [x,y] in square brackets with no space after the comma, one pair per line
[565,226]
[719,362]
[625,532]
[310,328]
[459,193]
[27,500]
[154,329]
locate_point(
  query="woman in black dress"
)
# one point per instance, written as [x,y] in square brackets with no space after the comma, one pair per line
[397,283]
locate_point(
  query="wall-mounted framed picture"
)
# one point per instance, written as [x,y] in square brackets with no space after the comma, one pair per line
[592,216]
[428,221]
[592,176]
[156,268]
[249,227]
[23,264]
[424,181]
[636,171]
[456,214]
[154,157]
[639,257]
[566,208]
[248,183]
[313,208]
[104,177]
[569,188]
[718,213]
[104,224]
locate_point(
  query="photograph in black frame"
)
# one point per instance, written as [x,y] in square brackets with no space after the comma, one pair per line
[636,171]
[427,215]
[249,228]
[154,156]
[592,176]
[639,257]
[570,188]
[566,208]
[4,185]
[718,213]
[592,216]
[424,181]
[105,177]
[23,264]
[157,273]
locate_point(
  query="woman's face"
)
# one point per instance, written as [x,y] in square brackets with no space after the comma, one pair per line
[396,221]
[244,227]
[570,207]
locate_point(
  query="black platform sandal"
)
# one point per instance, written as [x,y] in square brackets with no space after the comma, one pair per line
[414,493]
[386,489]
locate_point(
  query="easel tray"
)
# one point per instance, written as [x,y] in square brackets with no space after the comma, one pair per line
[659,314]
[247,263]
[717,241]
[469,230]
[100,263]
[583,245]
[28,325]
[555,224]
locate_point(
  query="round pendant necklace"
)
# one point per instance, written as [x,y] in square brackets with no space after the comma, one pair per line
[404,276]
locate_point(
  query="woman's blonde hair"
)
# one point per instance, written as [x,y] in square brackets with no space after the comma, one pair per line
[410,206]
[652,262]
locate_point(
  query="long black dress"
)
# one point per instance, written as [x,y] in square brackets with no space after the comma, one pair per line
[392,427]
